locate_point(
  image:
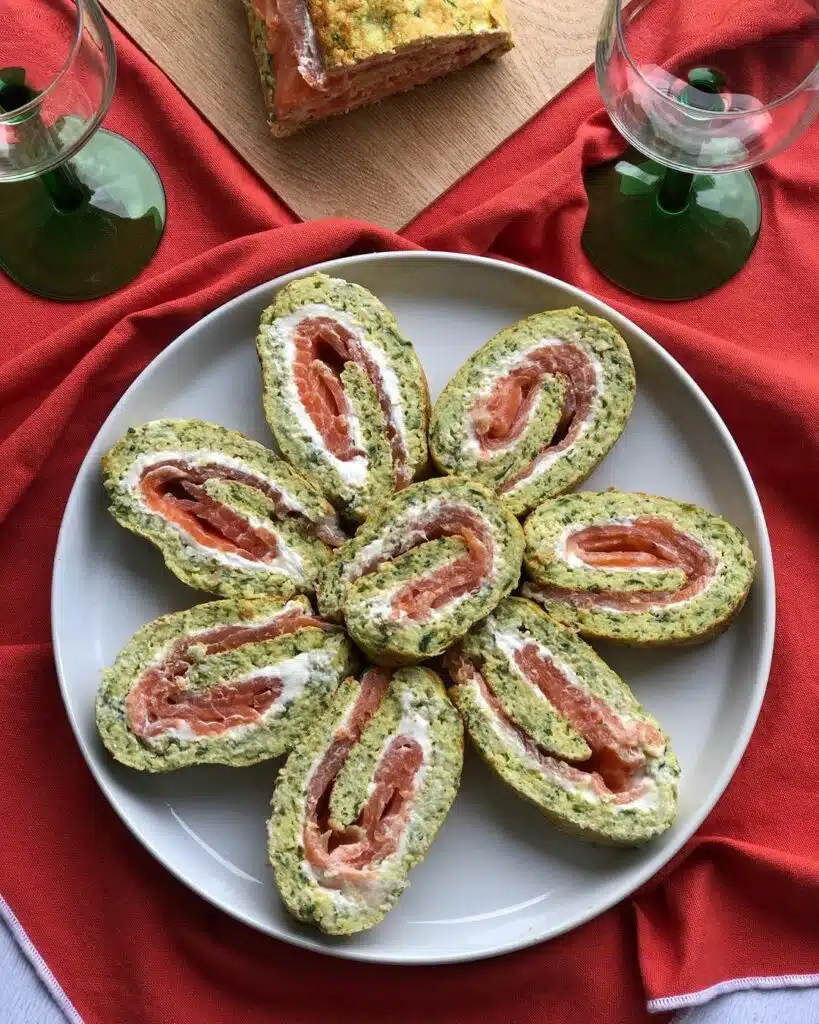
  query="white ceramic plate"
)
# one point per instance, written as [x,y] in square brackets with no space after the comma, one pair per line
[498,877]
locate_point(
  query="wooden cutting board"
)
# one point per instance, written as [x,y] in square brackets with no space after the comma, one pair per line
[383,164]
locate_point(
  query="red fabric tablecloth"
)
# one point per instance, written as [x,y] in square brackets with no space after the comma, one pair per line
[131,945]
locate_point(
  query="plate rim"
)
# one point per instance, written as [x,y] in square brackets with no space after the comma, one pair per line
[764,584]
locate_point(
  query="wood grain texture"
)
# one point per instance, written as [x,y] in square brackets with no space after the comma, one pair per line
[385,163]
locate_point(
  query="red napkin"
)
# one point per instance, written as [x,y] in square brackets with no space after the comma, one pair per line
[130,944]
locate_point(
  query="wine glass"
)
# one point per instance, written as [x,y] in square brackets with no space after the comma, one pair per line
[82,210]
[702,91]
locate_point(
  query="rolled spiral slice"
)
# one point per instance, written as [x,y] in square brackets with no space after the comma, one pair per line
[228,682]
[344,392]
[228,516]
[359,801]
[434,560]
[537,408]
[635,568]
[562,729]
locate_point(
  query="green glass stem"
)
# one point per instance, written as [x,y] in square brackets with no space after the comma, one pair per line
[674,191]
[66,192]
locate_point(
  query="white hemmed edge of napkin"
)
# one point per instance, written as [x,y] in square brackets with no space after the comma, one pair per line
[733,986]
[38,965]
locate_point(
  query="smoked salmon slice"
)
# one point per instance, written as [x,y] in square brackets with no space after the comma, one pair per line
[359,802]
[228,682]
[344,391]
[536,409]
[561,728]
[434,560]
[227,515]
[636,568]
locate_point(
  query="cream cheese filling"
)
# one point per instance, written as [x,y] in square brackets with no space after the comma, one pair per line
[393,545]
[295,673]
[160,655]
[574,561]
[287,560]
[203,457]
[549,458]
[371,891]
[352,471]
[648,800]
[510,641]
[500,370]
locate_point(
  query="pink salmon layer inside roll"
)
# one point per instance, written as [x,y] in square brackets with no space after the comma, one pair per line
[499,418]
[174,490]
[160,701]
[464,575]
[350,855]
[323,348]
[648,542]
[306,90]
[619,748]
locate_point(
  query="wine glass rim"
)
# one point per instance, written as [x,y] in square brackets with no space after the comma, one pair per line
[107,43]
[812,75]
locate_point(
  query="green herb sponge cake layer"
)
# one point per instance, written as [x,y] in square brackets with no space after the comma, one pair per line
[344,392]
[536,408]
[359,801]
[635,568]
[228,682]
[419,573]
[228,516]
[562,729]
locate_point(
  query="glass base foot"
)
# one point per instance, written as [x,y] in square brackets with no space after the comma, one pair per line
[91,240]
[659,254]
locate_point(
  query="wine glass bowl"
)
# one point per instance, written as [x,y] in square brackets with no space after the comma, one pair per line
[82,210]
[704,93]
[51,106]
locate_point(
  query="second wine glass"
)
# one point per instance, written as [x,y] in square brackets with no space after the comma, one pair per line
[82,210]
[702,92]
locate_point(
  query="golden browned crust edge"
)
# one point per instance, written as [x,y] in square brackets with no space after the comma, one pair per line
[350,32]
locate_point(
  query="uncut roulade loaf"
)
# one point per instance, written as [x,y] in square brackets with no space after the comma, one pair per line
[537,408]
[228,682]
[562,729]
[344,392]
[636,568]
[227,515]
[434,560]
[359,801]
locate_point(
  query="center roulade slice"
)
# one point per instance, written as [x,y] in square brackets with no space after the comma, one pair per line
[228,682]
[434,560]
[535,409]
[562,729]
[635,568]
[227,515]
[344,392]
[359,801]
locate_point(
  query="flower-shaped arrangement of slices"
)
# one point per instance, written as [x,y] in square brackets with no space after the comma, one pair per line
[374,737]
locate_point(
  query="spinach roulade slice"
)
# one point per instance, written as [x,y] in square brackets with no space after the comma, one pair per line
[359,801]
[635,568]
[344,392]
[228,682]
[227,515]
[562,729]
[434,560]
[537,408]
